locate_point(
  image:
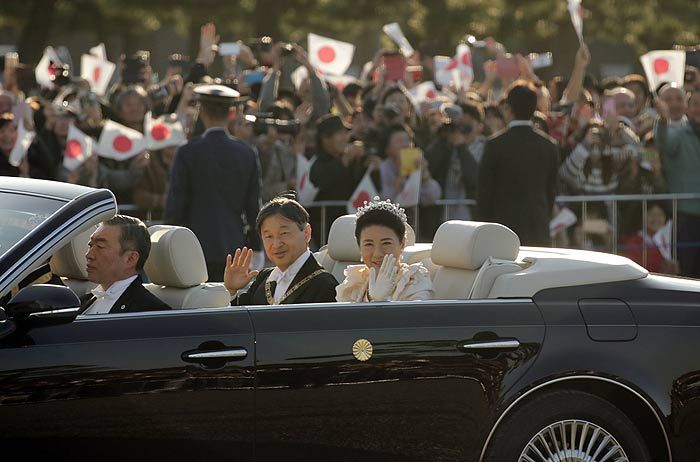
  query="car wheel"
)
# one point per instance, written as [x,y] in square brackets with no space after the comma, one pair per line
[567,425]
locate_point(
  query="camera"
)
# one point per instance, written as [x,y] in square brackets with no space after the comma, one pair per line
[60,74]
[135,67]
[264,120]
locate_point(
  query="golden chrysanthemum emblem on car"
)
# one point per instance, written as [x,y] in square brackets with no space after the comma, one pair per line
[362,349]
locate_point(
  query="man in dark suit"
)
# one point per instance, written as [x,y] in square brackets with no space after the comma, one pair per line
[518,172]
[116,253]
[297,277]
[214,181]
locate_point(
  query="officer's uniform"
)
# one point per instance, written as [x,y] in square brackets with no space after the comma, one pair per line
[214,181]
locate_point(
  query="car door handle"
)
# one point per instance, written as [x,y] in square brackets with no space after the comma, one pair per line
[500,344]
[228,354]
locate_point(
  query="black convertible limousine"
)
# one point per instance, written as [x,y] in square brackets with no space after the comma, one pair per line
[526,354]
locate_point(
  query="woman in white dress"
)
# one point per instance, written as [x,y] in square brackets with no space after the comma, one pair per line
[380,231]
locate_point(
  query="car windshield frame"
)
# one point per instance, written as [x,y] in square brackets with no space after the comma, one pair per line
[21,212]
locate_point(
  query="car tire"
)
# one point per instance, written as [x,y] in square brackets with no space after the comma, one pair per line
[537,429]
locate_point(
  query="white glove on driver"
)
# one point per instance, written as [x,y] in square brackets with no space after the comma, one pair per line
[381,283]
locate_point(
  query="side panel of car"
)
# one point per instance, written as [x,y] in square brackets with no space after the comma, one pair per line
[138,386]
[405,381]
[658,364]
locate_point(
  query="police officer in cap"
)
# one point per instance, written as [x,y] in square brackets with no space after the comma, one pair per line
[215,182]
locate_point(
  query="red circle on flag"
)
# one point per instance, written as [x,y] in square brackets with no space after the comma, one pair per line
[661,65]
[361,199]
[467,59]
[96,74]
[74,149]
[430,94]
[122,144]
[326,54]
[159,132]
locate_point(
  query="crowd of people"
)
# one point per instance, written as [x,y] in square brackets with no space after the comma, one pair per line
[585,137]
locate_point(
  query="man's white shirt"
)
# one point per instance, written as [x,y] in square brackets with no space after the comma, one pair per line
[284,278]
[105,299]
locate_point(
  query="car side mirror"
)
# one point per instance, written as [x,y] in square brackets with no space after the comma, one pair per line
[43,304]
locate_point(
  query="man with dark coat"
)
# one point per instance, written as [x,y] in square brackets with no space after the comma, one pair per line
[214,181]
[297,277]
[518,172]
[117,251]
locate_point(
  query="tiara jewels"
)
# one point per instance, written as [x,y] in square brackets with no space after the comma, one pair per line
[387,205]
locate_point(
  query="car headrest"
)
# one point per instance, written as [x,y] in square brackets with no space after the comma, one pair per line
[70,261]
[176,258]
[467,244]
[342,245]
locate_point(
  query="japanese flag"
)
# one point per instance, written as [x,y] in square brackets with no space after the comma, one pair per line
[98,72]
[664,66]
[47,68]
[99,52]
[443,75]
[410,194]
[24,140]
[364,192]
[463,58]
[78,148]
[576,18]
[119,142]
[423,92]
[564,219]
[394,32]
[340,81]
[306,191]
[330,56]
[163,132]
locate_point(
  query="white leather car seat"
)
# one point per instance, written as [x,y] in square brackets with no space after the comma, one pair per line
[178,272]
[460,249]
[343,251]
[71,265]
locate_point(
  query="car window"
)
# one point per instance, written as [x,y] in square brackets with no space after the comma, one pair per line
[20,213]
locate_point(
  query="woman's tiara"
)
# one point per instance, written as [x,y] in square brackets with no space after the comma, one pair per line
[387,206]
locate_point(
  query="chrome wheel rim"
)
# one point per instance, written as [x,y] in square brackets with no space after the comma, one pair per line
[573,441]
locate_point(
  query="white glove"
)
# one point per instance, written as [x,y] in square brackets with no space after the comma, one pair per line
[382,284]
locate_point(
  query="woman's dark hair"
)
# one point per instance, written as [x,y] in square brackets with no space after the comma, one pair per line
[380,217]
[390,92]
[286,206]
[386,137]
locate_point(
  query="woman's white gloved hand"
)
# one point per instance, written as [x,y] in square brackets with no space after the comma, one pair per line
[382,283]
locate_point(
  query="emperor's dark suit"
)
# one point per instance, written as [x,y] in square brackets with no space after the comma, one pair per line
[518,182]
[319,289]
[135,298]
[214,181]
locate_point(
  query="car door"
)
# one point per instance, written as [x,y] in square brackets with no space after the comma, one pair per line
[394,381]
[170,385]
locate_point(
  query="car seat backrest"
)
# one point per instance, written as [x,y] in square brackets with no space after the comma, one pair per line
[178,272]
[459,250]
[70,264]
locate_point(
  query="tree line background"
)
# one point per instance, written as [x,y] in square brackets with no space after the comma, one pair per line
[615,29]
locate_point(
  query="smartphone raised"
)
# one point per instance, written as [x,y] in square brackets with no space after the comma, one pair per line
[394,66]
